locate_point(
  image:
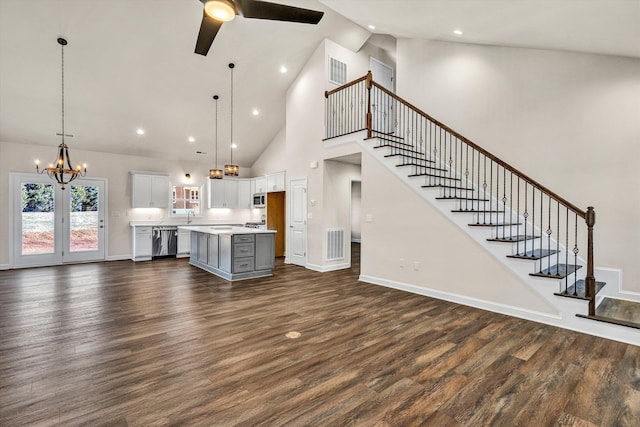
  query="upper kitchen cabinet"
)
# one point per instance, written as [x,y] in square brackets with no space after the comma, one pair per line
[223,193]
[259,185]
[244,193]
[149,190]
[275,182]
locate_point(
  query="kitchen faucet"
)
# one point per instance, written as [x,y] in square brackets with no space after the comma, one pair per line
[189,213]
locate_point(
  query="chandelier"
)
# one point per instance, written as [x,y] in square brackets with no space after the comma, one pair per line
[231,169]
[61,170]
[216,173]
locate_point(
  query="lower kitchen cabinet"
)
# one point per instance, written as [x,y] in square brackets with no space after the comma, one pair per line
[233,254]
[184,243]
[142,249]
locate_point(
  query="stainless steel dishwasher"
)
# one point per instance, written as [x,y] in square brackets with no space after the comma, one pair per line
[165,241]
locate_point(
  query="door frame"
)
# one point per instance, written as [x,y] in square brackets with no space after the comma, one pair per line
[289,244]
[56,258]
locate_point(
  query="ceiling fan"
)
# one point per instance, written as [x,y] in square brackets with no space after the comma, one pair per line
[216,12]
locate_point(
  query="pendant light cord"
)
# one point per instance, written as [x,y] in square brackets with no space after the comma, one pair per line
[62,46]
[216,132]
[231,115]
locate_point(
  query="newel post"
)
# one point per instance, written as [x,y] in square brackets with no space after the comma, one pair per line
[590,280]
[369,116]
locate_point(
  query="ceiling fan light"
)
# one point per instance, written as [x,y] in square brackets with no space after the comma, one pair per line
[220,10]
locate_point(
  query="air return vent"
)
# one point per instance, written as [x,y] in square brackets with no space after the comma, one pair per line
[335,244]
[337,71]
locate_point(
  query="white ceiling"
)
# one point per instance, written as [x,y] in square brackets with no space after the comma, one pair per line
[130,63]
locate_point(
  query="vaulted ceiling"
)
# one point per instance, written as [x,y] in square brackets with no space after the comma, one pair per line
[130,64]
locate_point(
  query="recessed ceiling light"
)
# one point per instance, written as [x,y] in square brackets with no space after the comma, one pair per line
[140,131]
[255,112]
[234,145]
[192,139]
[283,69]
[371,27]
[457,32]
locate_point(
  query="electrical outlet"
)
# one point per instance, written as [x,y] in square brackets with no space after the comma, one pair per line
[401,262]
[368,218]
[416,265]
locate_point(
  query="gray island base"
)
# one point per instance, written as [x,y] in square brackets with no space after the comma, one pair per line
[233,253]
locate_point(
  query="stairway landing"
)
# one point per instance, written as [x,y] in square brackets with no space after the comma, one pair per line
[619,312]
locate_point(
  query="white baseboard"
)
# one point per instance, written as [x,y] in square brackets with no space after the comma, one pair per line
[356,240]
[519,312]
[118,257]
[4,266]
[325,268]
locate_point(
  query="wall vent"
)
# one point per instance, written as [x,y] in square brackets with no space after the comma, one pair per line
[337,71]
[335,244]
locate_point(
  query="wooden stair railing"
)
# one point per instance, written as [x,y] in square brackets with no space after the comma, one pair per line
[542,225]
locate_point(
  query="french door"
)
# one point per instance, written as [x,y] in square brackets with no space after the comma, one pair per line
[52,225]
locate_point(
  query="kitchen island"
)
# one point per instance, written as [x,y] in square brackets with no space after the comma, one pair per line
[233,253]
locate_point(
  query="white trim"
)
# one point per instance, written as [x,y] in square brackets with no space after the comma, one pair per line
[5,266]
[572,322]
[326,268]
[356,240]
[118,257]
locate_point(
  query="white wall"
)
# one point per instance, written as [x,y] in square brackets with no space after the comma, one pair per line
[575,117]
[273,157]
[115,168]
[405,230]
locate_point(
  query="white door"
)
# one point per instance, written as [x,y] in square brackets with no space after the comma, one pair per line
[381,103]
[298,222]
[52,226]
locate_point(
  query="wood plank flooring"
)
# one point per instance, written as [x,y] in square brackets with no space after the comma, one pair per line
[163,343]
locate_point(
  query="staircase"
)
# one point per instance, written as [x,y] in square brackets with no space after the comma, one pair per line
[547,239]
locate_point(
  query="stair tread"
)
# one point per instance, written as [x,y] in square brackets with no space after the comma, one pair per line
[571,291]
[422,166]
[453,187]
[474,211]
[413,175]
[410,157]
[386,138]
[489,224]
[407,150]
[611,320]
[627,311]
[461,198]
[513,239]
[534,254]
[558,271]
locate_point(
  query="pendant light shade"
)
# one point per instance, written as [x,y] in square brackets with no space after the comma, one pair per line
[216,173]
[61,170]
[231,169]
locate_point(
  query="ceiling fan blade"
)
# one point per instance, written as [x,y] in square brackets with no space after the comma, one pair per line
[278,12]
[208,30]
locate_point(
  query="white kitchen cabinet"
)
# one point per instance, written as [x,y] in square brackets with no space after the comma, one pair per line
[184,243]
[142,248]
[149,190]
[259,185]
[244,193]
[223,193]
[275,182]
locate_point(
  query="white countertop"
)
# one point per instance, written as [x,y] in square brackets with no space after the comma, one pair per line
[217,229]
[178,223]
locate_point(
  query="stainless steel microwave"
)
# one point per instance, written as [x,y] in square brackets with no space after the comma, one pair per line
[258,200]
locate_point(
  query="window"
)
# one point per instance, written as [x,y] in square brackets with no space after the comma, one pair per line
[185,199]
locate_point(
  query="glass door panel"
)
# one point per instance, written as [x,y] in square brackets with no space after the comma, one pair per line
[84,218]
[37,218]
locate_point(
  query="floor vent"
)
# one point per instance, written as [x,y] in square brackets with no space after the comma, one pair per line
[335,244]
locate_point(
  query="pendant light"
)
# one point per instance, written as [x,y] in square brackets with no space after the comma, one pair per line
[231,169]
[216,173]
[61,170]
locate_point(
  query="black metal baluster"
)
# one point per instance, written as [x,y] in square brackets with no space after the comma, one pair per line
[484,191]
[518,216]
[504,202]
[566,247]
[575,254]
[557,237]
[525,215]
[549,232]
[466,175]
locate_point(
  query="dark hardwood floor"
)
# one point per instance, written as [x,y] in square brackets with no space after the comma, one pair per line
[163,343]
